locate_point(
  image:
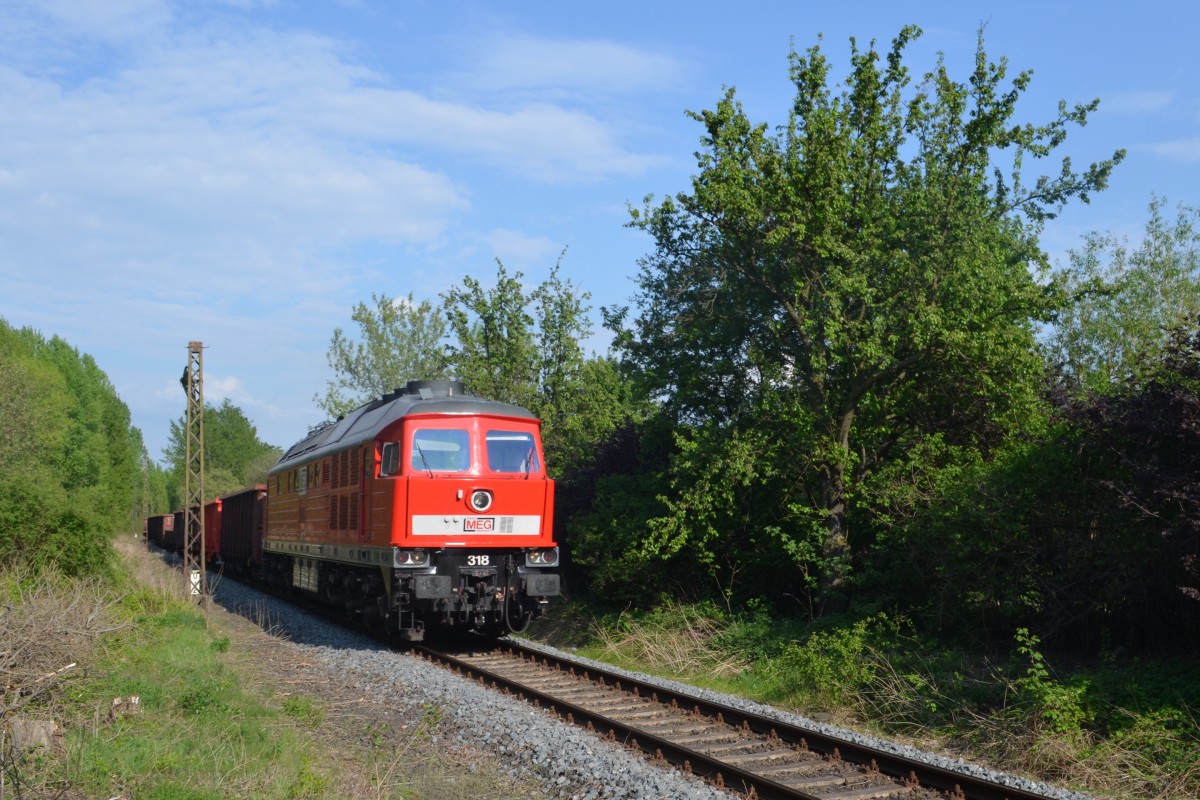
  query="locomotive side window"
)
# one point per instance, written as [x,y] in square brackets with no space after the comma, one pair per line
[511,451]
[389,463]
[441,450]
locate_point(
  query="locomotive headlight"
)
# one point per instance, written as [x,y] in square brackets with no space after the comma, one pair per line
[541,558]
[481,500]
[411,558]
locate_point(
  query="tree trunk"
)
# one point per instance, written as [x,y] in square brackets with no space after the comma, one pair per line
[835,549]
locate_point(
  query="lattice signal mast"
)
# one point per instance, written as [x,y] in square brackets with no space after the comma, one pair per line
[196,581]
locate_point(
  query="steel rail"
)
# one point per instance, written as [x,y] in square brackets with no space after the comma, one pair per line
[723,775]
[911,773]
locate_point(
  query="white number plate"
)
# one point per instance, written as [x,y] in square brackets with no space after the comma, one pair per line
[478,561]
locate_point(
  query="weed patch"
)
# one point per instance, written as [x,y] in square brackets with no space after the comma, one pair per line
[165,704]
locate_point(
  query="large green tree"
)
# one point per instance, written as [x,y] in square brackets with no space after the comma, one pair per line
[398,340]
[495,349]
[527,347]
[1127,298]
[827,296]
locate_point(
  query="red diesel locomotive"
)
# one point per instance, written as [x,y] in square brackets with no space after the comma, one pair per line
[425,507]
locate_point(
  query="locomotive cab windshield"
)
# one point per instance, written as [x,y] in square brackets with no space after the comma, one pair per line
[447,451]
[511,451]
[441,450]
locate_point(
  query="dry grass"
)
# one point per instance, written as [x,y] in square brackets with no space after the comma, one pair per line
[48,628]
[678,642]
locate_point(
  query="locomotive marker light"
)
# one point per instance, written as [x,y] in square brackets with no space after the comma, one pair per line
[410,558]
[541,558]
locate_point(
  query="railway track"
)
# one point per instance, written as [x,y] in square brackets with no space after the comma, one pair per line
[758,756]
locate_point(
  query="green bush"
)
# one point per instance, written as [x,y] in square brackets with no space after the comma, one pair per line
[1054,706]
[41,525]
[830,669]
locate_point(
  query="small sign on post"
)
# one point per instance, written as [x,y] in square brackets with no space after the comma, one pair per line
[195,582]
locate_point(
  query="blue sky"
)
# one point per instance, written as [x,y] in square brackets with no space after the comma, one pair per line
[243,172]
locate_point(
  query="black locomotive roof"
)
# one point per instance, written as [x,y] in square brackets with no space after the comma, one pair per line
[364,423]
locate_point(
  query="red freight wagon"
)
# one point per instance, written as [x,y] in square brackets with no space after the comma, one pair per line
[157,528]
[173,540]
[212,531]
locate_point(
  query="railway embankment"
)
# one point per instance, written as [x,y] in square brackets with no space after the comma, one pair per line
[127,691]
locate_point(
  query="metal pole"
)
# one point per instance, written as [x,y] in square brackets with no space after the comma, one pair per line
[195,579]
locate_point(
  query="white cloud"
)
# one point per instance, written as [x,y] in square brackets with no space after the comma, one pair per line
[217,388]
[166,179]
[520,250]
[111,21]
[1143,102]
[545,142]
[1185,150]
[202,161]
[526,62]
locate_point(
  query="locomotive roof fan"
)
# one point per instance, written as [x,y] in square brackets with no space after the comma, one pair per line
[428,389]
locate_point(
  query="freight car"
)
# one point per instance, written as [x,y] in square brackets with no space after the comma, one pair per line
[425,507]
[171,532]
[242,515]
[158,527]
[233,529]
[212,532]
[174,536]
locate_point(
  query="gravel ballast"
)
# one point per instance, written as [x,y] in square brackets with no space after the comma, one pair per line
[533,746]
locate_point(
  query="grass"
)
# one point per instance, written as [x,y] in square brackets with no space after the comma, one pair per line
[1128,730]
[200,734]
[211,720]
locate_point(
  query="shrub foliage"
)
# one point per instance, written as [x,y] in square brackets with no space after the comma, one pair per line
[72,461]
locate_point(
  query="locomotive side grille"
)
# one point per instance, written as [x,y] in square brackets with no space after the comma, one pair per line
[333,513]
[325,471]
[337,473]
[354,467]
[343,512]
[353,512]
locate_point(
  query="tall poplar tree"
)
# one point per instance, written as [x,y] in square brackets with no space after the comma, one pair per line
[827,296]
